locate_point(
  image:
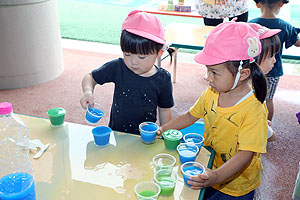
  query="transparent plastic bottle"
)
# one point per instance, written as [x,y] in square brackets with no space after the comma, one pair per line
[296,193]
[15,166]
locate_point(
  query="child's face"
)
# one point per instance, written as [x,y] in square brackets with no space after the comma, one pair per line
[267,64]
[219,77]
[140,64]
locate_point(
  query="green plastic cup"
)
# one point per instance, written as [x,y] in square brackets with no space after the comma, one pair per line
[172,138]
[166,179]
[57,116]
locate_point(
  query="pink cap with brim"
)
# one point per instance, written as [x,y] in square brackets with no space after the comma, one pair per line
[145,25]
[264,32]
[229,41]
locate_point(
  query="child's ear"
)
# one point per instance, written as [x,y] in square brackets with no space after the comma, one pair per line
[160,53]
[257,5]
[245,73]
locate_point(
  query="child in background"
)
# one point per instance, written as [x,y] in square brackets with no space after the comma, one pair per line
[270,46]
[215,11]
[234,115]
[140,87]
[288,36]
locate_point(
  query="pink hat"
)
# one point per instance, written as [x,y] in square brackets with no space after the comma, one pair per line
[264,32]
[229,41]
[145,25]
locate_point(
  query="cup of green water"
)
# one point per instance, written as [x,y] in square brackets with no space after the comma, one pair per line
[163,161]
[147,190]
[166,179]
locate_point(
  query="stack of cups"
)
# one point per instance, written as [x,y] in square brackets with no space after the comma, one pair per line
[164,175]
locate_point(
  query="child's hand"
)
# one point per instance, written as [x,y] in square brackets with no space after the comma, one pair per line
[87,99]
[203,180]
[269,122]
[159,131]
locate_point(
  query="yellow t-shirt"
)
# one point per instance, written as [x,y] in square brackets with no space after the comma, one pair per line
[228,130]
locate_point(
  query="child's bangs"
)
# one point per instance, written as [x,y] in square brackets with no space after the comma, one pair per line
[271,46]
[135,44]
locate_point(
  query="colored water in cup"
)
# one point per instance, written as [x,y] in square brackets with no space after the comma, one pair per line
[101,135]
[148,132]
[94,113]
[147,190]
[166,179]
[187,152]
[172,138]
[191,169]
[57,116]
[195,138]
[17,186]
[164,161]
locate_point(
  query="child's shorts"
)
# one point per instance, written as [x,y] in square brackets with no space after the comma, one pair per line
[272,85]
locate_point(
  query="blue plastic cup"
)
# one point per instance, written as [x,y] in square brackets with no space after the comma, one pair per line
[148,132]
[101,135]
[17,186]
[191,169]
[94,113]
[195,138]
[187,152]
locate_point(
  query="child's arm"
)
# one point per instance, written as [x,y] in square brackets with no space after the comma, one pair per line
[165,115]
[297,44]
[238,162]
[88,85]
[179,122]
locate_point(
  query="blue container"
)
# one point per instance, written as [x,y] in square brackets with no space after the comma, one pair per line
[101,135]
[189,169]
[195,138]
[197,127]
[17,186]
[187,152]
[94,113]
[148,132]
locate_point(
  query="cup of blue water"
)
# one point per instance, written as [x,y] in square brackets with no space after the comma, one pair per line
[195,138]
[101,135]
[148,132]
[94,113]
[191,169]
[187,152]
[17,186]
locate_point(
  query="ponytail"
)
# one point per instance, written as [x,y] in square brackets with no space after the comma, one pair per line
[259,82]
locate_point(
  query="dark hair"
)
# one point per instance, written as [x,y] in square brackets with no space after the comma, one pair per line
[139,45]
[259,82]
[271,2]
[269,46]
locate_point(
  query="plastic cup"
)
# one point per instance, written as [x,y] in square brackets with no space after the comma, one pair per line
[195,138]
[101,135]
[147,190]
[187,152]
[164,161]
[18,186]
[172,138]
[148,132]
[166,179]
[57,116]
[94,113]
[190,169]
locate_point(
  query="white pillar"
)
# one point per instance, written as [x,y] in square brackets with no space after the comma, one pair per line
[30,43]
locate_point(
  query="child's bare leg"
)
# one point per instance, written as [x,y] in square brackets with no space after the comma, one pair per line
[270,107]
